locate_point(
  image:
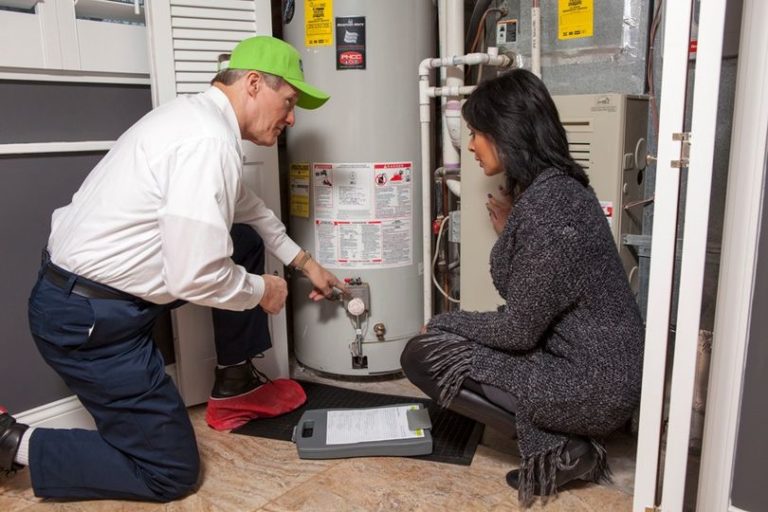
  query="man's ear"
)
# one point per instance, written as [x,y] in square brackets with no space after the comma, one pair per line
[253,82]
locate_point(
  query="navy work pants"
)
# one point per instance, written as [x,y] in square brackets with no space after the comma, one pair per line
[242,334]
[145,446]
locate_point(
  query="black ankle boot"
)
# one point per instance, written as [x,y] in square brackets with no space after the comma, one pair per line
[577,453]
[10,438]
[473,405]
[236,380]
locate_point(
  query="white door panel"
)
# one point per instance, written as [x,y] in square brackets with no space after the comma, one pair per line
[184,51]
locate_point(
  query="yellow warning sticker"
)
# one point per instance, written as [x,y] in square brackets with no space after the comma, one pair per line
[299,185]
[318,22]
[576,19]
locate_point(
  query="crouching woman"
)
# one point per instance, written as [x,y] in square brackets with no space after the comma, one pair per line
[563,356]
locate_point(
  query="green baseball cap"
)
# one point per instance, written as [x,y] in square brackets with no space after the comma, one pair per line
[275,56]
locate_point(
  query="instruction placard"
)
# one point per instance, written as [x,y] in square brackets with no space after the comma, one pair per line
[299,187]
[363,214]
[318,23]
[575,19]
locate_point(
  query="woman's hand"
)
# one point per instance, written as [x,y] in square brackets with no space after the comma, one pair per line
[499,208]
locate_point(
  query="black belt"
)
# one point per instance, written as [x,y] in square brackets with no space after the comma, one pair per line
[83,287]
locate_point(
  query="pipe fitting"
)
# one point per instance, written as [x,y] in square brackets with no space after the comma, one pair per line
[452,119]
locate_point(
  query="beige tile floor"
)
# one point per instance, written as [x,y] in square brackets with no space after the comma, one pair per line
[244,474]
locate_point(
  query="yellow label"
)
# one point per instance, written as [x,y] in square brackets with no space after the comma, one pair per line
[318,22]
[299,185]
[576,19]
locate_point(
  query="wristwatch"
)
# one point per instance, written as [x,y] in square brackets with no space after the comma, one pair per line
[303,261]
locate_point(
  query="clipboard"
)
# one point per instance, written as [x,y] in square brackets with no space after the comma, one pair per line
[311,435]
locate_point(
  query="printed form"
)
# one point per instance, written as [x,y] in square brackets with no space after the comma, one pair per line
[365,425]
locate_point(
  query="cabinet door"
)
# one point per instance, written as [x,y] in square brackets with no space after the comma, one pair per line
[671,158]
[30,29]
[184,50]
[104,36]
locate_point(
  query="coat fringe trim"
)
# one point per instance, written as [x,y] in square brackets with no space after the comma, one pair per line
[450,359]
[538,472]
[601,472]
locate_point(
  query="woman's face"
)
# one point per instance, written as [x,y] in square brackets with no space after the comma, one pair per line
[485,152]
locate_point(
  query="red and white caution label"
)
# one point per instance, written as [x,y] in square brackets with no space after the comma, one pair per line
[363,214]
[608,211]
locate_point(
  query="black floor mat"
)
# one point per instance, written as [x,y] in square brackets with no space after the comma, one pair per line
[454,437]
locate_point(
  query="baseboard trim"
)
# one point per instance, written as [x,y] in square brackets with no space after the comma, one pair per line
[65,413]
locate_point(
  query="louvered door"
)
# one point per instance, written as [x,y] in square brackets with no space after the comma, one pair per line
[186,38]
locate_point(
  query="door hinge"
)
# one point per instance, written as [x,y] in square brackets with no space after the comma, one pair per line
[685,149]
[652,509]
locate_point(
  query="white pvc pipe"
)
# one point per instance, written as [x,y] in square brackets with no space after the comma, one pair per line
[536,38]
[426,185]
[706,87]
[454,45]
[454,186]
[442,15]
[441,32]
[452,125]
[464,90]
[492,58]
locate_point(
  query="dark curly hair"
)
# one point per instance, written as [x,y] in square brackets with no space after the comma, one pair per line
[516,112]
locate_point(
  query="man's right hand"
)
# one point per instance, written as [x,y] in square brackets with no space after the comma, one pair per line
[275,293]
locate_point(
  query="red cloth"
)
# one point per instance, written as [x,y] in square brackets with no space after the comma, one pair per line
[271,399]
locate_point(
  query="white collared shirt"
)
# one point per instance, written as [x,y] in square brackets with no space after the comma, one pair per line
[153,217]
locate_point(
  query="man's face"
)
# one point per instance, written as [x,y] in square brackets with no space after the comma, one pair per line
[269,111]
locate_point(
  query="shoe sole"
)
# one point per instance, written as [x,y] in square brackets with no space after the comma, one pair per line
[237,396]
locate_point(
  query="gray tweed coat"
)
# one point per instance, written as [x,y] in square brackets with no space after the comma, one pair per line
[569,341]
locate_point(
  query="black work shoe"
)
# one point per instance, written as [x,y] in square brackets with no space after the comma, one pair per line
[237,380]
[10,438]
[582,453]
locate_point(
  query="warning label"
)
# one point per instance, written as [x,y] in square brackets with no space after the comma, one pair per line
[363,214]
[575,19]
[299,185]
[607,207]
[318,23]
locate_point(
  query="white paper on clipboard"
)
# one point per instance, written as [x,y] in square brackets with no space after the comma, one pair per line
[365,425]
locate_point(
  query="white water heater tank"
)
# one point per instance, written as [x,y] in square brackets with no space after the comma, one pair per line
[355,193]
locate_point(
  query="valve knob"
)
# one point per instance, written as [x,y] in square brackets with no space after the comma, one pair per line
[356,306]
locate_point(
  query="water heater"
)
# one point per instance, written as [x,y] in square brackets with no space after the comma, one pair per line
[355,194]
